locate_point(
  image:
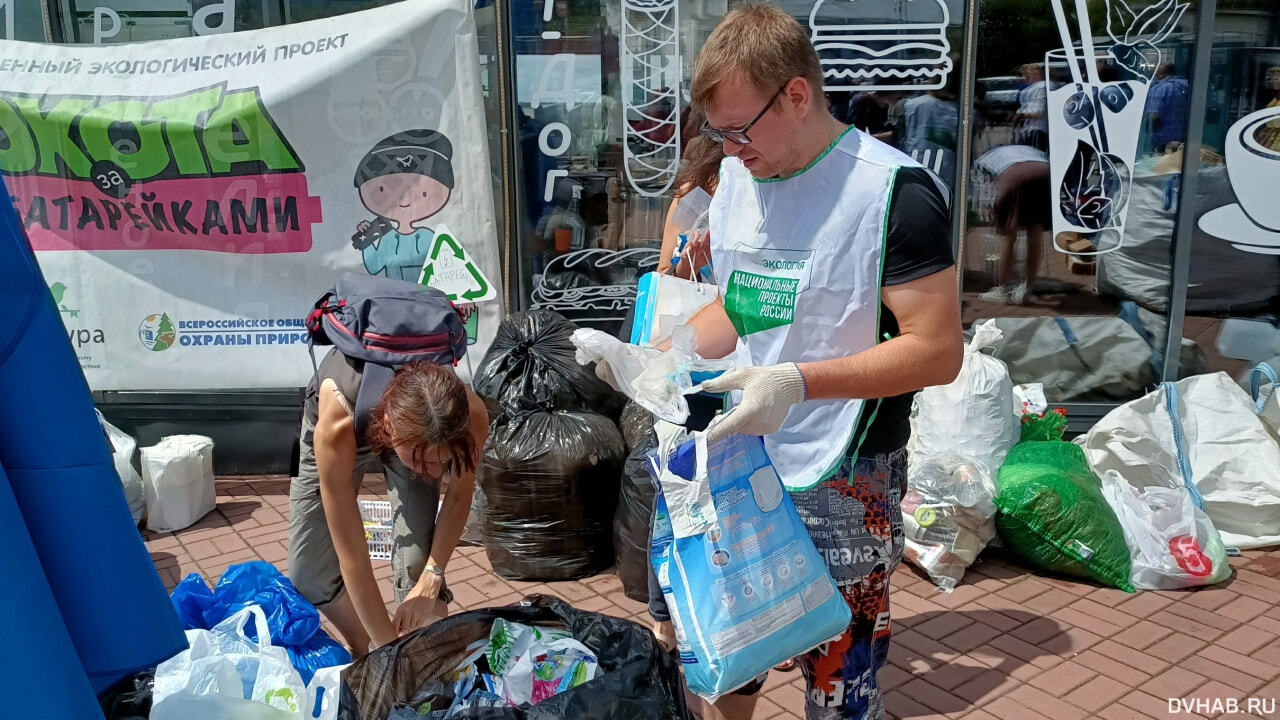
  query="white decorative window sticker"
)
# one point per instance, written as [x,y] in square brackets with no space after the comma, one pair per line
[1095,118]
[650,63]
[1252,223]
[881,44]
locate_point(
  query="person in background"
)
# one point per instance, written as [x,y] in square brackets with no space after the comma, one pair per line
[1167,108]
[1031,122]
[699,168]
[858,236]
[428,427]
[1022,203]
[869,112]
[929,126]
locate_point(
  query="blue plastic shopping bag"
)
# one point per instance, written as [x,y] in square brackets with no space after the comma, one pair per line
[744,583]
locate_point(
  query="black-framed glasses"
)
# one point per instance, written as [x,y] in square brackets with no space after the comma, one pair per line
[739,136]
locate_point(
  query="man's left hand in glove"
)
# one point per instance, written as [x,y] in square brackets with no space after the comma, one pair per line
[768,394]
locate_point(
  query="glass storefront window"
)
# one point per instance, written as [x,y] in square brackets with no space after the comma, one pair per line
[1233,293]
[22,20]
[603,96]
[1073,191]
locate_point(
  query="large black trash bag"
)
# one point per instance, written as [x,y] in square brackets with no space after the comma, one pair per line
[635,504]
[531,365]
[636,425]
[551,487]
[637,680]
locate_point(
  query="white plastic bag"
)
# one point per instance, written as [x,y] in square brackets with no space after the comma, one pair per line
[972,417]
[1173,544]
[1200,431]
[947,516]
[122,448]
[960,433]
[177,475]
[323,692]
[225,675]
[658,381]
[665,302]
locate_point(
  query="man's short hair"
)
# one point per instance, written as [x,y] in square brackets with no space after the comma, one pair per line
[760,43]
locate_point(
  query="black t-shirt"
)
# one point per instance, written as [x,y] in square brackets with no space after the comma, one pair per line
[918,244]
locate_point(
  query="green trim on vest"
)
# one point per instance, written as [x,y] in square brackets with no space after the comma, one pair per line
[839,462]
[813,162]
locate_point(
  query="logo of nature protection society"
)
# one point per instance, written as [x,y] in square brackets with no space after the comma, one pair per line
[157,332]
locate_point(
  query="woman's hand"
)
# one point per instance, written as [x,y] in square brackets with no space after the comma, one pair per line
[698,250]
[418,611]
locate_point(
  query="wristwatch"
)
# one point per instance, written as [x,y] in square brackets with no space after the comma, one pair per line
[434,569]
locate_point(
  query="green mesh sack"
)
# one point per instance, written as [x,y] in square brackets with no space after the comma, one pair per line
[1051,512]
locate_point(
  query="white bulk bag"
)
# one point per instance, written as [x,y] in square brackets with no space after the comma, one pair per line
[122,448]
[177,474]
[1201,431]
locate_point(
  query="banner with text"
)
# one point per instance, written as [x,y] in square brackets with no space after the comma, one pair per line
[189,199]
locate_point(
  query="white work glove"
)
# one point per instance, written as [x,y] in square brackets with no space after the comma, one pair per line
[768,394]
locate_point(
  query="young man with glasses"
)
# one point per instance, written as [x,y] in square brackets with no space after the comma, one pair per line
[832,253]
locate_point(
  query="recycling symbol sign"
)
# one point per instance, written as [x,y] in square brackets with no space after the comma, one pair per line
[450,269]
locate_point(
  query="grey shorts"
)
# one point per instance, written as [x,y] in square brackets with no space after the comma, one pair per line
[313,563]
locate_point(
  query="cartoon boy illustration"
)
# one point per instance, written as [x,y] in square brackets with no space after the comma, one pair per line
[405,179]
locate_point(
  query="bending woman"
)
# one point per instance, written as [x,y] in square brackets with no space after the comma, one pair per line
[428,431]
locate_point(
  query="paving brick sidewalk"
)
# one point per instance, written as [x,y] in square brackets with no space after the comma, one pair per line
[1008,643]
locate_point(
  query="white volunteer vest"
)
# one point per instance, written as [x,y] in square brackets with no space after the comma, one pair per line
[798,261]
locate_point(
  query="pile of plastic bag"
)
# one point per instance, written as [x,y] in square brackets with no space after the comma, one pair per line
[292,622]
[539,660]
[518,665]
[960,434]
[554,455]
[229,672]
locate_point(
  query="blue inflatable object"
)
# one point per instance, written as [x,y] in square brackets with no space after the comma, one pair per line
[112,603]
[40,677]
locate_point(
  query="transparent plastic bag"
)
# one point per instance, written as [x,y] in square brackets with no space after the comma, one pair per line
[948,515]
[657,381]
[1173,543]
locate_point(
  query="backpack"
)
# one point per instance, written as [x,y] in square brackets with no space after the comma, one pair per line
[387,323]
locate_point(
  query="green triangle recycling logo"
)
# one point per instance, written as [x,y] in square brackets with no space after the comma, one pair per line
[450,269]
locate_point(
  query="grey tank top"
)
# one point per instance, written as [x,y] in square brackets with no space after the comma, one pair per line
[346,373]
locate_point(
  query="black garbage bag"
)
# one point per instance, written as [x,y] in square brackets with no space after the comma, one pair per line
[551,487]
[634,516]
[129,699]
[636,425]
[637,680]
[531,365]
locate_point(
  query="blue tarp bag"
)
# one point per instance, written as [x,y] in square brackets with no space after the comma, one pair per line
[321,651]
[191,598]
[291,619]
[745,585]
